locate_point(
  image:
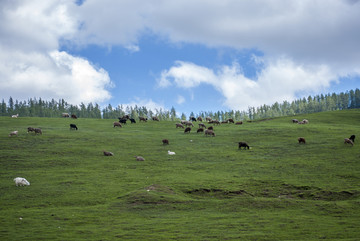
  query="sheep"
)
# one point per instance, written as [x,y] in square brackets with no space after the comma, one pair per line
[348,141]
[14,133]
[188,129]
[243,144]
[15,116]
[165,141]
[108,153]
[171,152]
[20,181]
[73,126]
[142,119]
[301,140]
[200,130]
[38,131]
[178,125]
[352,138]
[30,129]
[117,124]
[209,132]
[140,158]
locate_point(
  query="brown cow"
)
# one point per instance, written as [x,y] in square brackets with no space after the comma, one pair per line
[348,141]
[142,119]
[200,130]
[38,131]
[117,124]
[209,132]
[178,125]
[239,123]
[73,116]
[154,118]
[165,141]
[301,140]
[107,153]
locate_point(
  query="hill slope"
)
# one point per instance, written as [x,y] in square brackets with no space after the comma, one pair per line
[209,190]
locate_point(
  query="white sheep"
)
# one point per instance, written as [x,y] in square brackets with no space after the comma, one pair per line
[171,152]
[14,133]
[20,181]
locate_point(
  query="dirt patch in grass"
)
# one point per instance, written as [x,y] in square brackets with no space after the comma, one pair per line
[282,191]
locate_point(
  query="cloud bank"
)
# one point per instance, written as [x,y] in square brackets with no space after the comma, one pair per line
[307,45]
[31,64]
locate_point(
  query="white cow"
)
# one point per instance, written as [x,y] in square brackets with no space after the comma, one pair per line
[15,116]
[20,181]
[14,133]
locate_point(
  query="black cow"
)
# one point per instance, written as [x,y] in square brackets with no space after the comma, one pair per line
[132,120]
[243,144]
[73,126]
[352,137]
[122,120]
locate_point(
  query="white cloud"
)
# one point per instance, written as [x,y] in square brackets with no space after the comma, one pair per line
[148,103]
[180,99]
[31,64]
[280,80]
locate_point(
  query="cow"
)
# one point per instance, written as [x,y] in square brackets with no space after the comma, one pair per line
[208,119]
[154,118]
[187,129]
[165,141]
[243,144]
[348,141]
[239,123]
[210,128]
[132,120]
[301,140]
[352,138]
[65,115]
[73,127]
[142,119]
[38,131]
[209,132]
[15,116]
[122,120]
[117,124]
[231,120]
[189,123]
[199,118]
[178,125]
[108,153]
[30,129]
[202,125]
[73,116]
[192,118]
[295,121]
[200,130]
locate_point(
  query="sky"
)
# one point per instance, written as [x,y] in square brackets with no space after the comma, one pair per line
[193,55]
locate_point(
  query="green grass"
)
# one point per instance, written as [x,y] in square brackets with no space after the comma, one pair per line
[210,190]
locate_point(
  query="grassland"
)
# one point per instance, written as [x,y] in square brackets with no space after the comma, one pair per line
[209,190]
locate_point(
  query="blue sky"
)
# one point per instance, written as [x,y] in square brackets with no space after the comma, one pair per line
[192,55]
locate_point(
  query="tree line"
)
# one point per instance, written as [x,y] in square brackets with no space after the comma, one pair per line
[42,108]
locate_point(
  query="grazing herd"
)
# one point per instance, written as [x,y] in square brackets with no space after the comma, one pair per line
[186,125]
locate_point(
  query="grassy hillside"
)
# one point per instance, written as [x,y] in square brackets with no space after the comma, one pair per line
[209,190]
